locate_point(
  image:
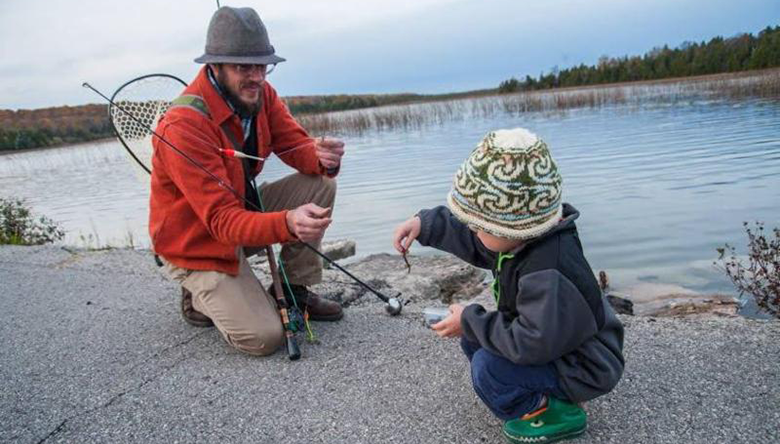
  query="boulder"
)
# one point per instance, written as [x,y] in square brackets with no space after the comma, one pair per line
[336,249]
[687,305]
[620,303]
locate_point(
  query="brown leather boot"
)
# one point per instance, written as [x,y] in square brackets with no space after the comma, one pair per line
[319,308]
[190,315]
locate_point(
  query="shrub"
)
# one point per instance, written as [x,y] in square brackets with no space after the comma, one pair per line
[18,226]
[759,273]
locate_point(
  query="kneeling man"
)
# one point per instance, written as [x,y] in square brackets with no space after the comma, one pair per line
[200,229]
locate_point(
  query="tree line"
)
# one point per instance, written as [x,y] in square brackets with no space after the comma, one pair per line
[63,125]
[740,53]
[24,129]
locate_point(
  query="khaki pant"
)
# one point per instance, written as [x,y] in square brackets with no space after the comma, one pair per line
[242,310]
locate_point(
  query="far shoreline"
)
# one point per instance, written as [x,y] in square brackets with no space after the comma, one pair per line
[433,98]
[55,147]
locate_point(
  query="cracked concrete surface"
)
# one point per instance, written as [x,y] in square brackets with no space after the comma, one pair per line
[94,350]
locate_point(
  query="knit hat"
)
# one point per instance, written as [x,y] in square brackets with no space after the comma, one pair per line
[509,186]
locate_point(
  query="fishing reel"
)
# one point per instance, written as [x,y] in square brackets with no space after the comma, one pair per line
[297,319]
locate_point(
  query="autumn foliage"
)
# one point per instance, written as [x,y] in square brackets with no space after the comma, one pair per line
[23,129]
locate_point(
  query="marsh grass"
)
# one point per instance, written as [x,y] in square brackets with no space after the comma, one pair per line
[92,242]
[760,84]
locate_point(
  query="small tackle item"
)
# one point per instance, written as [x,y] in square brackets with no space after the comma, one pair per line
[393,306]
[432,315]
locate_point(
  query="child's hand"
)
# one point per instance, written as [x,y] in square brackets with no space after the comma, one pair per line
[406,233]
[449,327]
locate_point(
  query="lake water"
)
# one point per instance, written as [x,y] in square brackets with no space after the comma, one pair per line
[659,186]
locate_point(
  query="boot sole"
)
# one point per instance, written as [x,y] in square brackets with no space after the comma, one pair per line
[200,324]
[329,318]
[526,440]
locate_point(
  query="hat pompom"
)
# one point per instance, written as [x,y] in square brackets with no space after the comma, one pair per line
[509,186]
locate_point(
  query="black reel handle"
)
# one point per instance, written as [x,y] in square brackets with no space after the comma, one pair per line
[293,351]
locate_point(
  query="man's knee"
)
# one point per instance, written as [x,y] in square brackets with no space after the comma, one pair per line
[326,192]
[260,342]
[329,184]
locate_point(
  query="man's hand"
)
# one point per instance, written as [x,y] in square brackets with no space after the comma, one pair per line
[329,151]
[449,327]
[308,222]
[405,234]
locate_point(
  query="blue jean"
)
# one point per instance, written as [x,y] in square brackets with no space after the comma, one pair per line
[509,390]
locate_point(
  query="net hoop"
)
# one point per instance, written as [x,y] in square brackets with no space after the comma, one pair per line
[134,137]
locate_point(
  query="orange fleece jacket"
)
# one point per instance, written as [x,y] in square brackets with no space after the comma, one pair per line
[196,223]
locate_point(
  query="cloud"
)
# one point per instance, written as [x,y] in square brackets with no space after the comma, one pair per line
[50,46]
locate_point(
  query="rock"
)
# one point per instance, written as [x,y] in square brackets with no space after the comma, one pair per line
[338,249]
[603,280]
[620,303]
[687,305]
[441,278]
[659,299]
[485,299]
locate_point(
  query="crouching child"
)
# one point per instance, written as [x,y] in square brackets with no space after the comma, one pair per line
[554,341]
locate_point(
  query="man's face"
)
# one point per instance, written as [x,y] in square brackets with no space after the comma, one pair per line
[243,84]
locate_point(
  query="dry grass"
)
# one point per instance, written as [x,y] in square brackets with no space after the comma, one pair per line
[760,84]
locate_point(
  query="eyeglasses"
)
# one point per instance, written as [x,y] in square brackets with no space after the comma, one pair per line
[246,69]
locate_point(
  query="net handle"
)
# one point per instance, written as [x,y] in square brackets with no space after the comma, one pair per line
[111,114]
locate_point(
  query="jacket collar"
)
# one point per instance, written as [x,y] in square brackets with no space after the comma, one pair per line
[218,108]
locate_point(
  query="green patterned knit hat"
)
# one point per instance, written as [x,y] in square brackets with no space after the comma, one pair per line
[509,186]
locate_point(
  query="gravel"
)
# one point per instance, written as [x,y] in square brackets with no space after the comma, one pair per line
[94,350]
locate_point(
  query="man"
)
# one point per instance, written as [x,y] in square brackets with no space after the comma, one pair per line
[200,229]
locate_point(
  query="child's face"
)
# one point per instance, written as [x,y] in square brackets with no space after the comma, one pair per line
[497,244]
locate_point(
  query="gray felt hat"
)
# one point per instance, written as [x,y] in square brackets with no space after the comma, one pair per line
[237,35]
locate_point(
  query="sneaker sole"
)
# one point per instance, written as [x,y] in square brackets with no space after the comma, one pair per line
[545,439]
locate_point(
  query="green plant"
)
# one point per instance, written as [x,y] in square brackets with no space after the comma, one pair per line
[759,273]
[18,226]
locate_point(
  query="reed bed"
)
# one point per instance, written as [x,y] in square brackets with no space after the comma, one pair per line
[762,84]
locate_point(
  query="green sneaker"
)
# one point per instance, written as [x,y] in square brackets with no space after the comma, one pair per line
[559,420]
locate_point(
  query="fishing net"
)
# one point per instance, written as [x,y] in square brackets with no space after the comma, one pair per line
[137,107]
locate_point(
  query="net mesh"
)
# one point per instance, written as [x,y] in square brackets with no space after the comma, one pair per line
[138,106]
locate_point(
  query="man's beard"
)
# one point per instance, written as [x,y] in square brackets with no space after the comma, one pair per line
[243,109]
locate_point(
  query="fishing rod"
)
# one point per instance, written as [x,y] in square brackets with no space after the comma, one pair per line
[393,305]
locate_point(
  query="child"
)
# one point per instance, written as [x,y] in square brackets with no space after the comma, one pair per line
[554,340]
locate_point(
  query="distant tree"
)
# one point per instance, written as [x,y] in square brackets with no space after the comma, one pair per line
[509,86]
[738,53]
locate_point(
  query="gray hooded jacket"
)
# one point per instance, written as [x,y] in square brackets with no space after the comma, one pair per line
[551,308]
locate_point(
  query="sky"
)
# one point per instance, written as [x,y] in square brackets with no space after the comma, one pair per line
[49,47]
